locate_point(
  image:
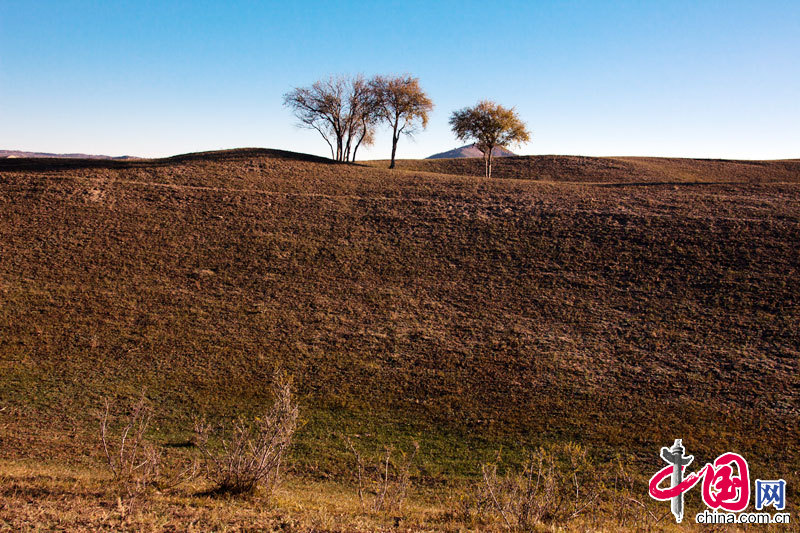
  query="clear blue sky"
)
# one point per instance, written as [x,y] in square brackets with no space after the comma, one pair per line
[152,78]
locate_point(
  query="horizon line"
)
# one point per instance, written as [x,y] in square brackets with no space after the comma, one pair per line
[88,155]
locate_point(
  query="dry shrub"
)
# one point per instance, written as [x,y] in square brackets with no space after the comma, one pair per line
[135,463]
[628,511]
[252,454]
[467,506]
[384,485]
[556,485]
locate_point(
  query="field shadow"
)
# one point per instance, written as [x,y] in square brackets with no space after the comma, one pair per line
[180,444]
[35,487]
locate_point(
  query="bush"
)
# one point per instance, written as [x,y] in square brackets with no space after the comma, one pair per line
[135,463]
[384,485]
[252,455]
[555,485]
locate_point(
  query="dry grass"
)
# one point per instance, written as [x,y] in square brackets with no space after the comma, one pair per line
[554,487]
[464,313]
[51,497]
[46,497]
[614,169]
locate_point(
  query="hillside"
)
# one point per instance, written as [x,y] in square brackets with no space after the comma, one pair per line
[14,154]
[615,169]
[620,303]
[470,150]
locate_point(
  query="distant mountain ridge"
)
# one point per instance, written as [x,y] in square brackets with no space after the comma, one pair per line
[11,154]
[471,150]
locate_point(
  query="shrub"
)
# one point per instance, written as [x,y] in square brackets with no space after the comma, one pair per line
[252,455]
[626,510]
[554,486]
[383,486]
[134,462]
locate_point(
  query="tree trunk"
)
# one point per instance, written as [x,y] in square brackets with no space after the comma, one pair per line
[346,154]
[394,143]
[489,169]
[361,138]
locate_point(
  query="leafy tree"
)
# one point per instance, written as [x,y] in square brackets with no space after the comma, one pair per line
[490,125]
[403,104]
[342,109]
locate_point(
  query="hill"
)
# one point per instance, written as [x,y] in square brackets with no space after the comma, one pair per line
[616,302]
[13,154]
[615,169]
[470,150]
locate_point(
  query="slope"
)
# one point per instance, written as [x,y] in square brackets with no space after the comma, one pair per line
[467,313]
[615,169]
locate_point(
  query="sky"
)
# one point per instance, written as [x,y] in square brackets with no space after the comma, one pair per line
[715,79]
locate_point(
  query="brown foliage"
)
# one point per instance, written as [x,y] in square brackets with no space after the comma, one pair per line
[403,104]
[489,124]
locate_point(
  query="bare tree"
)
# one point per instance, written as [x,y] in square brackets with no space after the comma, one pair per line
[362,116]
[490,125]
[403,104]
[342,109]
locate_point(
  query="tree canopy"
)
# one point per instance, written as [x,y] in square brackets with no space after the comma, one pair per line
[342,109]
[403,104]
[490,125]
